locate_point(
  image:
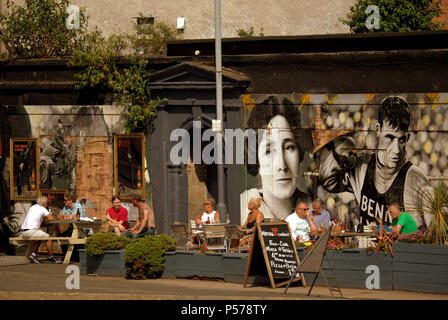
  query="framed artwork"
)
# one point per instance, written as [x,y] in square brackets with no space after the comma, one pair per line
[24,173]
[129,165]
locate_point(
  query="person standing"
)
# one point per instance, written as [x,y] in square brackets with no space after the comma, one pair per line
[145,225]
[402,222]
[31,228]
[117,216]
[300,223]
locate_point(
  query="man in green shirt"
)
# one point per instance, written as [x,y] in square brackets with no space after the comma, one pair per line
[402,222]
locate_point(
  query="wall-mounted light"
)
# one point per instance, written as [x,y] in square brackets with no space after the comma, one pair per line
[180,24]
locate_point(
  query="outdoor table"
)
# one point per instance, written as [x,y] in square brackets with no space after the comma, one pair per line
[78,235]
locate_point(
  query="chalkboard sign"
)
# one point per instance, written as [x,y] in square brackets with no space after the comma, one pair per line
[273,253]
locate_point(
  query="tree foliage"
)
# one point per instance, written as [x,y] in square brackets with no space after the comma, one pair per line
[38,29]
[150,39]
[395,15]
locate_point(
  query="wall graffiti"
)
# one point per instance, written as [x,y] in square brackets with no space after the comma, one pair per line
[361,152]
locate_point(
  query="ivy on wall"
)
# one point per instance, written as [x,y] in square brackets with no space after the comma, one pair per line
[39,29]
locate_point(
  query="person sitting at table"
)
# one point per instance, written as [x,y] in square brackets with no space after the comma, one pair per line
[254,216]
[209,215]
[146,224]
[31,228]
[70,209]
[402,222]
[300,223]
[117,217]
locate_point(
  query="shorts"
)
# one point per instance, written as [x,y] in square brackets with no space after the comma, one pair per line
[34,233]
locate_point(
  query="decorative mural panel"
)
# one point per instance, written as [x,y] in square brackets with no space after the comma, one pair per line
[23,172]
[357,152]
[73,151]
[129,165]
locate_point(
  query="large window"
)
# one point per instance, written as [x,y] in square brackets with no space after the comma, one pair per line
[129,165]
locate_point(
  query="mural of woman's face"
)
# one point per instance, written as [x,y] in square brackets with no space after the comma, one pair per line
[278,155]
[391,145]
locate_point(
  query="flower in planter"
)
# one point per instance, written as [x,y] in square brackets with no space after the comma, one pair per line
[335,244]
[204,248]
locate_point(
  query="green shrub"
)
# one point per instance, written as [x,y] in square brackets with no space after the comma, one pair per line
[144,257]
[100,242]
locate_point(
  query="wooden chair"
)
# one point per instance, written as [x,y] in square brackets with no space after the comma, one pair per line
[312,263]
[180,232]
[234,232]
[215,236]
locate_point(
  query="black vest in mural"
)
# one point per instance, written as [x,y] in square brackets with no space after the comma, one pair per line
[373,204]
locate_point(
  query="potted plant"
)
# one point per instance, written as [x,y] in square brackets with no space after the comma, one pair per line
[421,258]
[104,254]
[144,258]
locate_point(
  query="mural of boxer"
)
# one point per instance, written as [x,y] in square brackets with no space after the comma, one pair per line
[382,176]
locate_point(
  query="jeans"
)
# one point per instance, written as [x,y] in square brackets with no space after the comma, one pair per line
[144,232]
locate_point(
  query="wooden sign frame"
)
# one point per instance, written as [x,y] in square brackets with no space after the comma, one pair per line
[34,169]
[258,244]
[142,189]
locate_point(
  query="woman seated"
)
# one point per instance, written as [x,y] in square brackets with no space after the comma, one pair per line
[209,215]
[254,216]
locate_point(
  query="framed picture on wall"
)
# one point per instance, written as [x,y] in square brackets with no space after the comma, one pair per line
[24,172]
[129,165]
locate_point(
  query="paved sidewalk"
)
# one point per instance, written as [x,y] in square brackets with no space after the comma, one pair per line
[48,281]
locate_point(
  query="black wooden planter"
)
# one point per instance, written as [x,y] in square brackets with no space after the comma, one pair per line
[350,265]
[420,267]
[194,264]
[111,263]
[170,265]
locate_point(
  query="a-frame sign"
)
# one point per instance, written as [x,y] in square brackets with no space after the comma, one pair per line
[273,253]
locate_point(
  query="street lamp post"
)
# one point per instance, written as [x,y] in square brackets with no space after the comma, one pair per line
[220,206]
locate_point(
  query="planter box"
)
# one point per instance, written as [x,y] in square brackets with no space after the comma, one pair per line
[234,265]
[170,265]
[195,264]
[349,267]
[420,267]
[111,263]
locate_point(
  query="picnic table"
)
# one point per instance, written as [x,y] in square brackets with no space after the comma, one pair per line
[78,236]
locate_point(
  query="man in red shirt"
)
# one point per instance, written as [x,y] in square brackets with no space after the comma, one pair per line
[117,216]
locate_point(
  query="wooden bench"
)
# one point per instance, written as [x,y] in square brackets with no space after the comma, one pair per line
[71,241]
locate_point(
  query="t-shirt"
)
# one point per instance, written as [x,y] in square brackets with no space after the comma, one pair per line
[299,227]
[406,222]
[121,215]
[73,210]
[34,217]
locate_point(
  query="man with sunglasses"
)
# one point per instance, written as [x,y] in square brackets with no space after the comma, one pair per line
[300,223]
[209,215]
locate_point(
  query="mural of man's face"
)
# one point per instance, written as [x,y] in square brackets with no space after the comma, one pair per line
[391,145]
[278,155]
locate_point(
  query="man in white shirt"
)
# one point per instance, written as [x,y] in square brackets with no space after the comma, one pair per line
[31,228]
[300,223]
